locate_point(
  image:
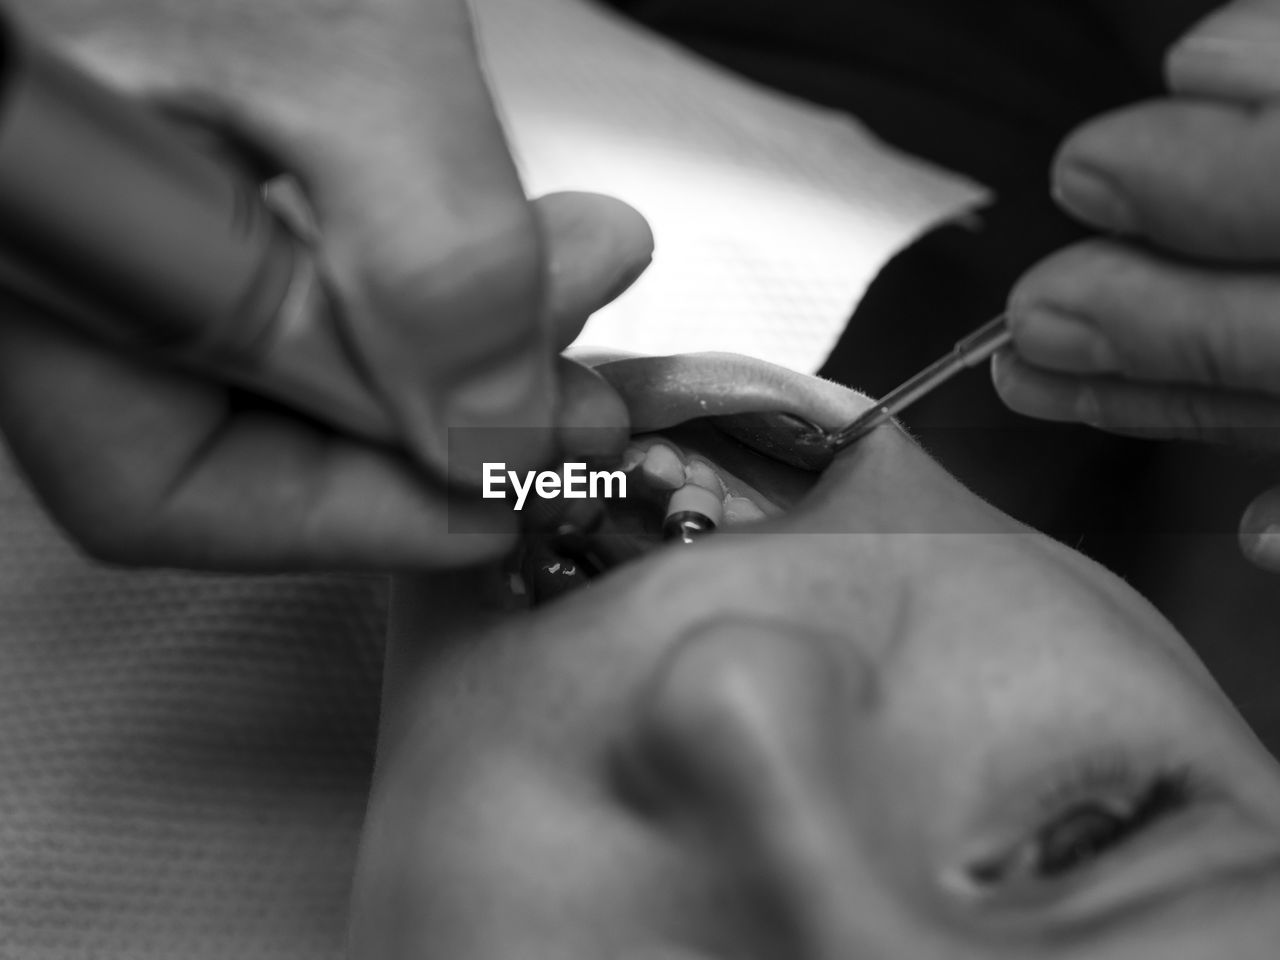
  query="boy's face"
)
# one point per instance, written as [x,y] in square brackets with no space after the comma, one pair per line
[888,723]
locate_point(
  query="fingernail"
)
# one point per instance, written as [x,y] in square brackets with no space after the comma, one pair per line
[1234,53]
[627,279]
[663,468]
[632,457]
[1263,548]
[1064,341]
[1088,409]
[1001,371]
[740,510]
[1034,394]
[1089,196]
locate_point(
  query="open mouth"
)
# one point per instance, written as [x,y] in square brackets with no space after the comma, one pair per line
[720,442]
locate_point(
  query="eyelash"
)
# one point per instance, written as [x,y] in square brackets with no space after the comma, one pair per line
[1109,792]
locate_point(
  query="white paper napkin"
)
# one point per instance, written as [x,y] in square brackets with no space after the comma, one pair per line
[771,216]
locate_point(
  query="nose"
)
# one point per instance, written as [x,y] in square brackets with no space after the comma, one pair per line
[745,734]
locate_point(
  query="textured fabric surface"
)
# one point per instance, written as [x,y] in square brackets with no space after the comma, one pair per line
[183,759]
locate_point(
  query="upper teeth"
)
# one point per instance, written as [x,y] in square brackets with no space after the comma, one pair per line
[694,483]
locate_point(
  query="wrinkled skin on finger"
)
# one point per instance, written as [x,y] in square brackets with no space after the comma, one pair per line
[885,721]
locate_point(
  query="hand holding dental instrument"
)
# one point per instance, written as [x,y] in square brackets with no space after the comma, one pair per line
[968,352]
[114,222]
[111,220]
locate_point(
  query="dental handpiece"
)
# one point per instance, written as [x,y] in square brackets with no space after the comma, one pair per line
[115,222]
[968,352]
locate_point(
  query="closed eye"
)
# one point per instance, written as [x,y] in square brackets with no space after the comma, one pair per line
[1083,831]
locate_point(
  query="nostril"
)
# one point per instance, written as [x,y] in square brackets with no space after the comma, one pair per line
[737,718]
[742,749]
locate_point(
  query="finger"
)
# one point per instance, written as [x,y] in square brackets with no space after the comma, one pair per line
[594,421]
[1260,531]
[1149,411]
[597,247]
[268,493]
[144,466]
[1108,309]
[1196,177]
[1231,54]
[428,237]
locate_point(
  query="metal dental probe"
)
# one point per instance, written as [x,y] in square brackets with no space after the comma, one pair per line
[968,352]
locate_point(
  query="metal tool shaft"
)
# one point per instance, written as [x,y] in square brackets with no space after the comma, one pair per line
[969,352]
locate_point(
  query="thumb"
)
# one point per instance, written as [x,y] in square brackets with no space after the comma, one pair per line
[435,253]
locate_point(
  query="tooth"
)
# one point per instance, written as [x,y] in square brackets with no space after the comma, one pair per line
[662,468]
[702,474]
[742,510]
[632,457]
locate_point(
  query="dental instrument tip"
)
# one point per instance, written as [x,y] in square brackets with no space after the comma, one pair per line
[968,352]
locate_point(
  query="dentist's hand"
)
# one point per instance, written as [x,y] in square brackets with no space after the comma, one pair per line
[458,294]
[1172,326]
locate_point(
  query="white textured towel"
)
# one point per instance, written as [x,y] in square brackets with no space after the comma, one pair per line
[183,759]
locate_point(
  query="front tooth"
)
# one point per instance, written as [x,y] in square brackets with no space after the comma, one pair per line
[662,468]
[742,510]
[702,474]
[632,457]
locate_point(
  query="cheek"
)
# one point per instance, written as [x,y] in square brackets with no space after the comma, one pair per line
[479,859]
[505,850]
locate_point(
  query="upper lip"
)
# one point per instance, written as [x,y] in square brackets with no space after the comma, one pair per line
[784,415]
[661,392]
